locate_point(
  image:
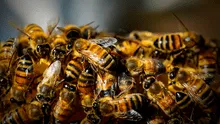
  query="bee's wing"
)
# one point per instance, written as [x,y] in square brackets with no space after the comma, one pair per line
[130,115]
[90,55]
[51,25]
[105,42]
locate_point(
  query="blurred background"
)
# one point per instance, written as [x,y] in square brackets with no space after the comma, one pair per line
[202,16]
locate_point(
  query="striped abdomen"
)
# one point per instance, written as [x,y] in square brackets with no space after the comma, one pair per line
[100,57]
[169,43]
[73,70]
[27,113]
[207,65]
[201,92]
[183,100]
[24,73]
[87,81]
[7,50]
[65,106]
[128,102]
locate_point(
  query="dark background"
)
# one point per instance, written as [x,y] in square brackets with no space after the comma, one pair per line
[201,16]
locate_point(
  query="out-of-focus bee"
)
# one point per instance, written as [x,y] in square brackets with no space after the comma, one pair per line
[59,50]
[91,118]
[71,32]
[147,66]
[33,112]
[140,35]
[46,88]
[73,70]
[88,31]
[125,107]
[207,64]
[106,85]
[95,53]
[24,76]
[183,100]
[66,104]
[197,89]
[38,46]
[156,91]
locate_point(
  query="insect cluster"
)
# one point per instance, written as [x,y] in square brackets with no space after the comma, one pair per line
[75,74]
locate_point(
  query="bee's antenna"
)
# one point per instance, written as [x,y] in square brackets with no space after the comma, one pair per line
[181,22]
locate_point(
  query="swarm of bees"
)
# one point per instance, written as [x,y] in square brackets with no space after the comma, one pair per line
[75,74]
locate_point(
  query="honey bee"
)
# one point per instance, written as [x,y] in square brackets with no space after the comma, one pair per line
[207,64]
[95,53]
[91,118]
[59,50]
[73,70]
[46,88]
[124,107]
[66,104]
[24,76]
[71,32]
[140,35]
[198,90]
[88,31]
[156,91]
[86,85]
[106,85]
[126,83]
[147,66]
[33,112]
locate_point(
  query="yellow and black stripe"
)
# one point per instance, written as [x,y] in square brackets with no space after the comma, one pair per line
[24,73]
[7,50]
[32,28]
[87,81]
[128,102]
[183,100]
[73,70]
[27,113]
[65,106]
[105,60]
[169,43]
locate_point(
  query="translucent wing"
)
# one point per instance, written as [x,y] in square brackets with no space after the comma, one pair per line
[90,55]
[52,72]
[105,42]
[130,115]
[51,24]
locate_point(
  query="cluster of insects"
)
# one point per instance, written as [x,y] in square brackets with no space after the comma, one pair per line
[75,74]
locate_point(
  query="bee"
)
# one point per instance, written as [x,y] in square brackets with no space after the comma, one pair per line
[33,112]
[59,50]
[197,89]
[66,104]
[73,70]
[106,85]
[148,66]
[91,118]
[95,53]
[86,85]
[207,64]
[24,76]
[140,35]
[46,88]
[126,83]
[156,91]
[88,31]
[71,32]
[124,107]
[38,46]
